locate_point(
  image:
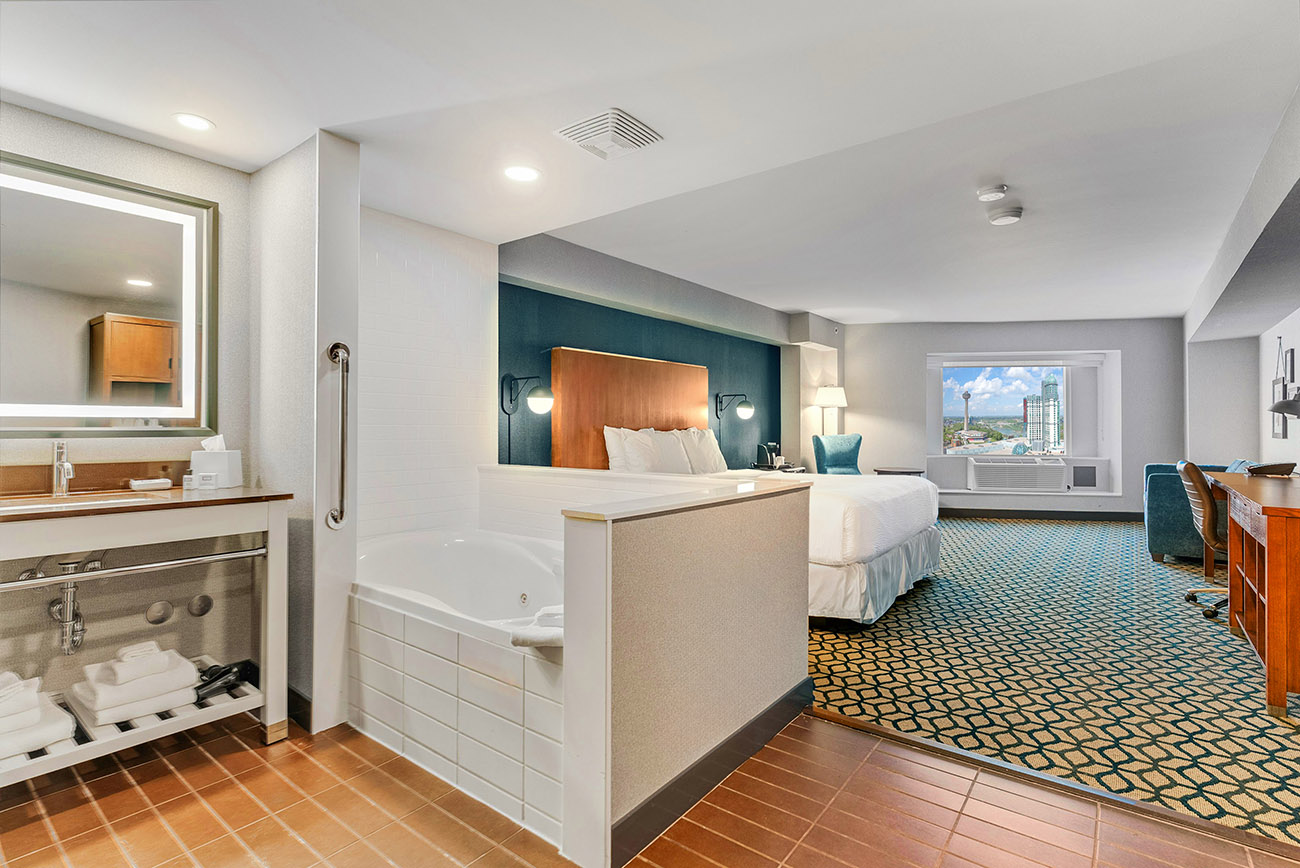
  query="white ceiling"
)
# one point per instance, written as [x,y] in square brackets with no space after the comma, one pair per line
[826,159]
[72,247]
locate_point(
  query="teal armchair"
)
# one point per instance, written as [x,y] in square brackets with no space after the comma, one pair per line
[837,453]
[1168,514]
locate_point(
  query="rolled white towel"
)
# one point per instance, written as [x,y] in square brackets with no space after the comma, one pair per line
[23,698]
[123,671]
[98,693]
[139,649]
[550,616]
[532,636]
[54,725]
[21,720]
[78,699]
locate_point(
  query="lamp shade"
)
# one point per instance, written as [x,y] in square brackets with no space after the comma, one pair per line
[1289,407]
[744,409]
[830,396]
[540,400]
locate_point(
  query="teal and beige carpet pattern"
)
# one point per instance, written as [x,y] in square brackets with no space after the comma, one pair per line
[1060,646]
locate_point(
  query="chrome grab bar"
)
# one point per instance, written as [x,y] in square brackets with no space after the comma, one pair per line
[60,578]
[339,354]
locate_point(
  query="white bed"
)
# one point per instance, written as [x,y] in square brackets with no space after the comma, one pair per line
[870,538]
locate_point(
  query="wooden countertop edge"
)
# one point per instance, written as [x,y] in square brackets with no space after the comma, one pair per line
[1243,485]
[177,500]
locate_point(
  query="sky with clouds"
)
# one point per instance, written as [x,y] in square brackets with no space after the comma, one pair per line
[993,391]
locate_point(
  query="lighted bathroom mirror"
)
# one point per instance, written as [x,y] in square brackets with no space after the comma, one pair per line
[107,306]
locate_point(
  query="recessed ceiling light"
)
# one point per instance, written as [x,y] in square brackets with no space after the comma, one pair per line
[1005,216]
[992,193]
[136,281]
[522,173]
[193,122]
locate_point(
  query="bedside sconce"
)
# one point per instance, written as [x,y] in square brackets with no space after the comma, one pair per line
[540,400]
[721,403]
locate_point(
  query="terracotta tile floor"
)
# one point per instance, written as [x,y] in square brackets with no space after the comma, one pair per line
[824,796]
[818,796]
[216,797]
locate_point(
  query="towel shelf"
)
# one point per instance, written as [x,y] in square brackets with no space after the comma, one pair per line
[131,570]
[89,742]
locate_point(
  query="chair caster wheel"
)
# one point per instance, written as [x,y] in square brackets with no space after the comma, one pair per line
[1211,613]
[1189,597]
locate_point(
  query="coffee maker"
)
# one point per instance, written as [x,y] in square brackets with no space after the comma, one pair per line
[769,456]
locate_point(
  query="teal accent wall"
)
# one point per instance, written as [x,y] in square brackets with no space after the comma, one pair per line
[532,322]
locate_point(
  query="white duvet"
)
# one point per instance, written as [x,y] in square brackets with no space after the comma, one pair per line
[855,518]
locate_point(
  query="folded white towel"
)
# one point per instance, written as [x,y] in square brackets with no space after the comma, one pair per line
[98,694]
[139,649]
[21,720]
[9,682]
[55,724]
[532,636]
[123,671]
[550,616]
[76,697]
[21,698]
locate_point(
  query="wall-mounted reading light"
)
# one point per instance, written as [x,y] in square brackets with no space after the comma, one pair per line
[540,400]
[721,402]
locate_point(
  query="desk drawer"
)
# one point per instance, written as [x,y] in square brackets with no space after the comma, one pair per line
[1247,513]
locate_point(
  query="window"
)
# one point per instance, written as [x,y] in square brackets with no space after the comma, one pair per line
[1004,410]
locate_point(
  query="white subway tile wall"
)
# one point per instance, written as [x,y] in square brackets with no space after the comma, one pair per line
[484,716]
[426,366]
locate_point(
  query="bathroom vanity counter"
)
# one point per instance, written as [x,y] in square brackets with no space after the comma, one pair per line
[36,527]
[44,506]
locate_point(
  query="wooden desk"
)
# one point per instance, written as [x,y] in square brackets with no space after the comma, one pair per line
[1264,575]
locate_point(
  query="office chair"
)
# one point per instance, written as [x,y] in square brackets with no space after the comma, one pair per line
[1205,514]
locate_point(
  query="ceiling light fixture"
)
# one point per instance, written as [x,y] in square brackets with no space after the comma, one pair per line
[1005,216]
[136,281]
[522,173]
[992,193]
[193,121]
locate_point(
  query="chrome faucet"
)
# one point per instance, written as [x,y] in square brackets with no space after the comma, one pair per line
[63,469]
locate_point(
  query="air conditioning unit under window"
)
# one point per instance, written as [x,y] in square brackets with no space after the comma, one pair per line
[1019,473]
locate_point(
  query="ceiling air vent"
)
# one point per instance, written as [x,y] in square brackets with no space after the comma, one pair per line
[610,134]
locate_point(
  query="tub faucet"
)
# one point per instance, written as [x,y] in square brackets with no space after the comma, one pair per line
[63,469]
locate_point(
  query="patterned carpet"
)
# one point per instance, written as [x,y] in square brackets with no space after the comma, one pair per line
[1062,647]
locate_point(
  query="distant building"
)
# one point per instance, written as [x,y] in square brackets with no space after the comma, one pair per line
[1034,418]
[1051,402]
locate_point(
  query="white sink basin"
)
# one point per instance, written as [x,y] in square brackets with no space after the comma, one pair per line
[49,503]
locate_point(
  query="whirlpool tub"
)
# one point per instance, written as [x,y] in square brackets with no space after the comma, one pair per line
[433,673]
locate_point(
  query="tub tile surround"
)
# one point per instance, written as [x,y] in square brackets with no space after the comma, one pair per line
[477,712]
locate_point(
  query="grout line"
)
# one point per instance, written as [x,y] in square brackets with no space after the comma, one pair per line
[38,800]
[99,812]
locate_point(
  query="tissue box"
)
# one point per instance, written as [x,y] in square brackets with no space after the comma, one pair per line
[224,462]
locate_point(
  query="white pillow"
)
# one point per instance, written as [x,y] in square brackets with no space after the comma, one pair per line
[651,451]
[614,447]
[702,450]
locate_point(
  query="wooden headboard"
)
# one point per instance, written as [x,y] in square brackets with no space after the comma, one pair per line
[593,390]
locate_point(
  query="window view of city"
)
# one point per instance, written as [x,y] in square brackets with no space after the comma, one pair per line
[1004,411]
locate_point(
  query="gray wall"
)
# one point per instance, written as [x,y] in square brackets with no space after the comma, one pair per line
[1271,449]
[38,135]
[885,381]
[1222,405]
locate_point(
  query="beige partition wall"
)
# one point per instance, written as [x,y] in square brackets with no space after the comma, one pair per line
[686,620]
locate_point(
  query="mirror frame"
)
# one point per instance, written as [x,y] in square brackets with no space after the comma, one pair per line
[206,389]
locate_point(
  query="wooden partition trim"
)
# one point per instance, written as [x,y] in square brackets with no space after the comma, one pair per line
[593,390]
